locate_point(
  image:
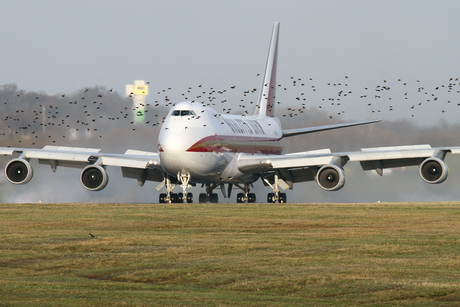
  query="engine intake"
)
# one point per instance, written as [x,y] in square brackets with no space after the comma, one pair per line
[94,177]
[433,170]
[18,171]
[330,177]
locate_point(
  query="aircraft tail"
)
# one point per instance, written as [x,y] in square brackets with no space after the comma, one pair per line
[266,103]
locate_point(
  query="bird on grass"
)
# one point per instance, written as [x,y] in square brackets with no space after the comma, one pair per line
[90,235]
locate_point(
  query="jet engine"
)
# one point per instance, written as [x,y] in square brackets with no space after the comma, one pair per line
[94,177]
[433,170]
[18,171]
[330,177]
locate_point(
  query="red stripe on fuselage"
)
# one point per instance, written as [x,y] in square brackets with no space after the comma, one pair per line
[234,143]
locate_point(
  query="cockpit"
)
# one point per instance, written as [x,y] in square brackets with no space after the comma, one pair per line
[183,113]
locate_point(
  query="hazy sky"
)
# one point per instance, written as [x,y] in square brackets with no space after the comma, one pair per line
[63,46]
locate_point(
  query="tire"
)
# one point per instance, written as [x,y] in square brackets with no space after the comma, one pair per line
[214,198]
[203,198]
[162,198]
[283,198]
[270,197]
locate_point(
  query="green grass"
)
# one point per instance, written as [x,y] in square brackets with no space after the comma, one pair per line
[402,254]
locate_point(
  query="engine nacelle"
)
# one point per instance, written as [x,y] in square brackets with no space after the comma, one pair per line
[94,177]
[330,177]
[18,171]
[433,170]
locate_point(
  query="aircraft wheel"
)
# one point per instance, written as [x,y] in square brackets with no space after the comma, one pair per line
[173,198]
[239,198]
[203,198]
[251,198]
[214,198]
[162,198]
[270,197]
[283,198]
[189,198]
[180,198]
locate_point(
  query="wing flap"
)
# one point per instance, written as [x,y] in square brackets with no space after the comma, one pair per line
[126,162]
[393,152]
[132,152]
[143,174]
[303,174]
[381,164]
[72,149]
[261,163]
[301,161]
[51,155]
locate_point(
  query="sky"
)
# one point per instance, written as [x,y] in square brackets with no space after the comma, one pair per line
[63,46]
[393,59]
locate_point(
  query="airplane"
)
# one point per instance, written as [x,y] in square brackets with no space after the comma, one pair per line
[197,145]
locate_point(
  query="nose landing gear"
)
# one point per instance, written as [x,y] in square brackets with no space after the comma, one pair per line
[170,197]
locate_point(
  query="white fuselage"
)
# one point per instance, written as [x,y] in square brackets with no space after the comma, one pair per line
[206,144]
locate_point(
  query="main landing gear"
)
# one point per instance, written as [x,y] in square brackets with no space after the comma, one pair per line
[276,196]
[183,178]
[209,196]
[246,196]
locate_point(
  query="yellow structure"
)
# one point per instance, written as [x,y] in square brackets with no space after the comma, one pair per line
[138,92]
[142,90]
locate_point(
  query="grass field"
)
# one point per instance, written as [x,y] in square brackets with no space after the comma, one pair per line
[402,254]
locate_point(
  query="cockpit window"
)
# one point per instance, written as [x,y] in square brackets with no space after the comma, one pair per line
[183,113]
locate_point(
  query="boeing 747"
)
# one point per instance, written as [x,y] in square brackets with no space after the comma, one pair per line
[199,146]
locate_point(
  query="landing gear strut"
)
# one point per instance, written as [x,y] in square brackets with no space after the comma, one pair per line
[184,178]
[276,195]
[169,196]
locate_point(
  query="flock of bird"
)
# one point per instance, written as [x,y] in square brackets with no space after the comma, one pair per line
[28,117]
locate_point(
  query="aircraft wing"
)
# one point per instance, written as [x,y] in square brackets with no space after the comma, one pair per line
[298,131]
[327,168]
[140,165]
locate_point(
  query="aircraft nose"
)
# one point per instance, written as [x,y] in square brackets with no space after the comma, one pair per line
[174,145]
